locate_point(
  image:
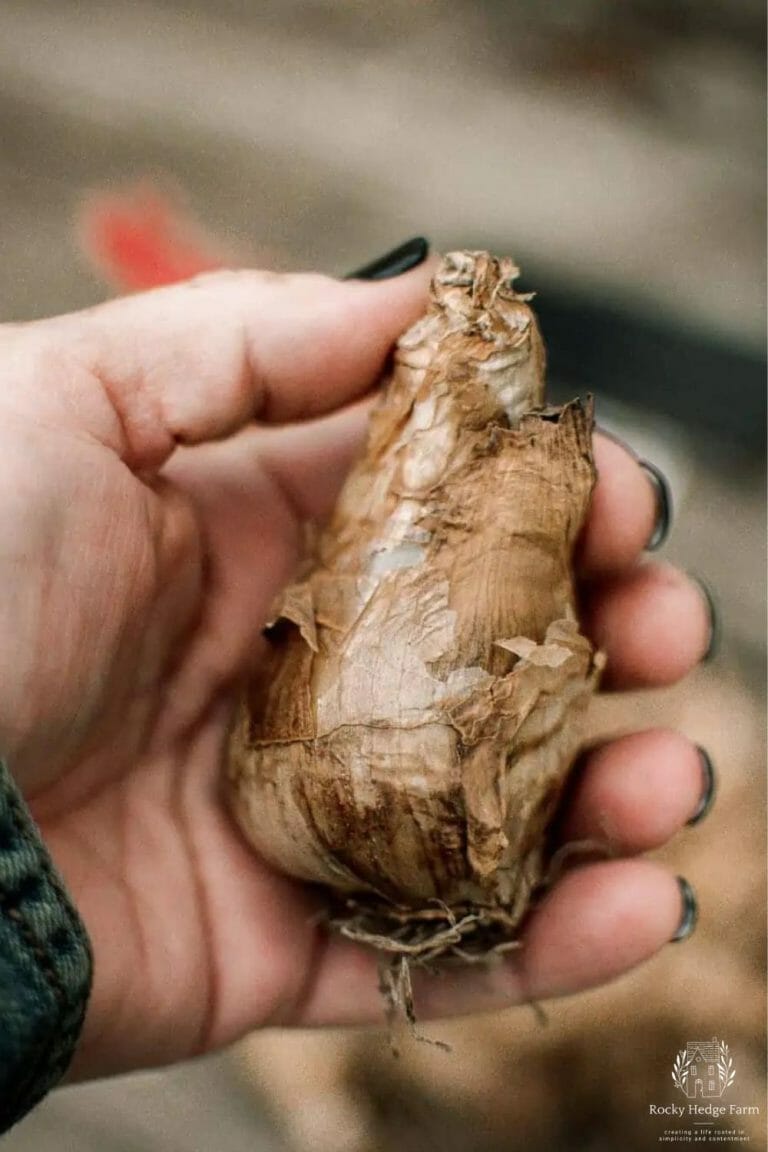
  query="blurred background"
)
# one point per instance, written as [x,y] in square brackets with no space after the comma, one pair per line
[617,150]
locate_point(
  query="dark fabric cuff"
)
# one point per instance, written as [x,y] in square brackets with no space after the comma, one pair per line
[46,965]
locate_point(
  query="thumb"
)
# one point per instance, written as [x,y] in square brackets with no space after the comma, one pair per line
[196,361]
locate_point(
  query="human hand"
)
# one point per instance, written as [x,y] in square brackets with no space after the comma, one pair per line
[149,516]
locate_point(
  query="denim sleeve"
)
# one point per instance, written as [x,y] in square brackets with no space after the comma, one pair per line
[46,964]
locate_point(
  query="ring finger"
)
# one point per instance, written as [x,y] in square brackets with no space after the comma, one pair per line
[655,624]
[633,794]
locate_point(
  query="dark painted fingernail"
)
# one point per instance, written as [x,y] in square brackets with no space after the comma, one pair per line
[394,263]
[708,786]
[663,496]
[715,632]
[690,911]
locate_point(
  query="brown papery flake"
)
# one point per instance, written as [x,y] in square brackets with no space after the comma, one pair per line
[406,741]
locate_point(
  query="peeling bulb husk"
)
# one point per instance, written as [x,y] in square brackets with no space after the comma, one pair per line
[406,741]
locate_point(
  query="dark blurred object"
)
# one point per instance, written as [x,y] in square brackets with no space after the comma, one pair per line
[700,381]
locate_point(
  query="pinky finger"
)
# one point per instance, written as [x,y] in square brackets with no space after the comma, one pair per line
[596,923]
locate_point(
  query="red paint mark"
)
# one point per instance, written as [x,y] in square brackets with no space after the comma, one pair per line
[143,237]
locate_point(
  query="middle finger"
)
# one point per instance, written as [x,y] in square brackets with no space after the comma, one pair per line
[625,512]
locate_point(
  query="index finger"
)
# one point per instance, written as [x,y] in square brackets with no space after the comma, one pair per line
[197,361]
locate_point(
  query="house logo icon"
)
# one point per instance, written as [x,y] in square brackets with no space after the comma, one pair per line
[703,1069]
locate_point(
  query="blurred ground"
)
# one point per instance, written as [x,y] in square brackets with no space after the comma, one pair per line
[618,152]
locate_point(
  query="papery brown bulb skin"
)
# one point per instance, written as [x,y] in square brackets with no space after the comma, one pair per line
[409,733]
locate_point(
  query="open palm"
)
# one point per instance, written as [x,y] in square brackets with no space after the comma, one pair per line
[161,455]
